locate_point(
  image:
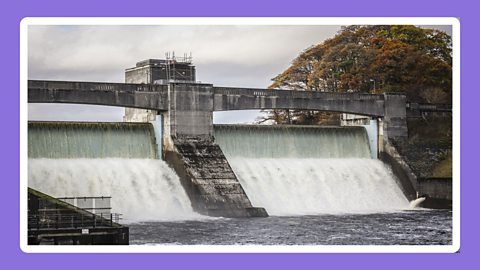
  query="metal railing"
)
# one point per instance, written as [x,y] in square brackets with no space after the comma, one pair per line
[81,202]
[55,219]
[72,212]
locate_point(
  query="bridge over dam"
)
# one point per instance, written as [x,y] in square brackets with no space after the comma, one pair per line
[191,106]
[188,139]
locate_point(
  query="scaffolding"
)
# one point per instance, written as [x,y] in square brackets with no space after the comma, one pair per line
[170,64]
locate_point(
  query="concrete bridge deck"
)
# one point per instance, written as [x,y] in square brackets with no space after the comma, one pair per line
[142,96]
[229,98]
[191,104]
[155,97]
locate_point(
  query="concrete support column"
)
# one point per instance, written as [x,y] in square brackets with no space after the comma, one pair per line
[395,119]
[191,111]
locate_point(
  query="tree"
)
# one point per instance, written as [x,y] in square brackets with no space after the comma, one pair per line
[371,59]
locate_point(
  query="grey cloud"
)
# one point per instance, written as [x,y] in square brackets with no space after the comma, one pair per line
[84,51]
[246,56]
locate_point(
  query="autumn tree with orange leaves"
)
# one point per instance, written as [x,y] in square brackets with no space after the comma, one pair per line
[371,59]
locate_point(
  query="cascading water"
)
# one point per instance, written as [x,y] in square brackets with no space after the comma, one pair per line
[292,141]
[106,159]
[309,170]
[90,140]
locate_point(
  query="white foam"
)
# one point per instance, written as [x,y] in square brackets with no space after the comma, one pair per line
[416,203]
[290,186]
[141,189]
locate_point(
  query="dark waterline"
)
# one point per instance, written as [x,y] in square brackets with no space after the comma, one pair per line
[428,227]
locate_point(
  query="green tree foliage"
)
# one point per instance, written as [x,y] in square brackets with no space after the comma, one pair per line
[372,59]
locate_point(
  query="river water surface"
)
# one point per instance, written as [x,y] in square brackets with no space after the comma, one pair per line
[415,227]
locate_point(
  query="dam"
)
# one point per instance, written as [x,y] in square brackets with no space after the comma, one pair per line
[330,178]
[168,168]
[288,170]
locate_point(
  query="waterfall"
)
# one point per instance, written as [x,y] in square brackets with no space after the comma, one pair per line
[141,189]
[106,159]
[309,170]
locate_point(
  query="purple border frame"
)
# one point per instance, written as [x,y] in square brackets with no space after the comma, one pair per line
[13,11]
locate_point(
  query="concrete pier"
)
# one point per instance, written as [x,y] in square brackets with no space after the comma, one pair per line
[209,180]
[188,143]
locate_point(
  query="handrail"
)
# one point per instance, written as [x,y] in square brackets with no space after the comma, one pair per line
[72,220]
[56,213]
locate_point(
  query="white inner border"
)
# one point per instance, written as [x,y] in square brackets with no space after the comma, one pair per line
[455,247]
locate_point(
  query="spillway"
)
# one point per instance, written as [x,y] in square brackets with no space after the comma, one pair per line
[106,159]
[91,140]
[292,170]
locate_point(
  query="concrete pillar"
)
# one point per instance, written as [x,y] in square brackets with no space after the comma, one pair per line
[189,148]
[395,119]
[190,114]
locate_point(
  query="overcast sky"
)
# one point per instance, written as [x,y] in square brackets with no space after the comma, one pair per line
[246,56]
